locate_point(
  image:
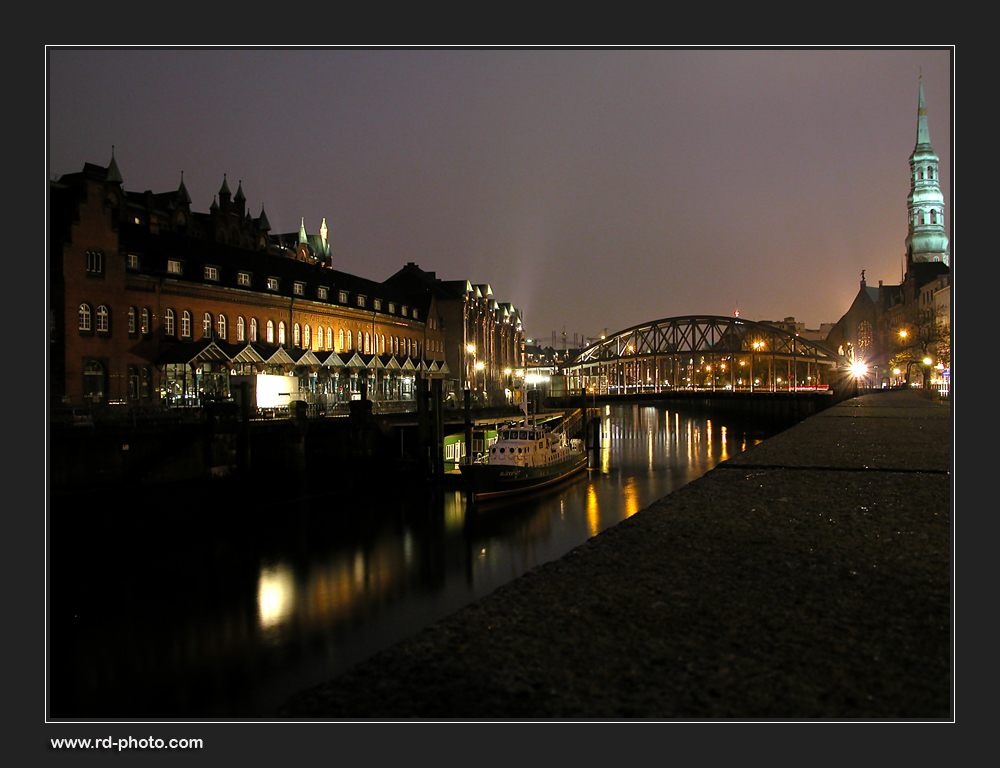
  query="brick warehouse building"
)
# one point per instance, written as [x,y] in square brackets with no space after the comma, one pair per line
[152,303]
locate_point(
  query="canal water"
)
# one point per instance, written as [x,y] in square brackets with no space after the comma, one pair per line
[197,605]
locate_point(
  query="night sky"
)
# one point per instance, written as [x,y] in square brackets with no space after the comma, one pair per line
[595,189]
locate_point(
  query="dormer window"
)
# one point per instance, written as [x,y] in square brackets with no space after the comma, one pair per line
[322,292]
[342,297]
[361,301]
[211,273]
[174,267]
[299,289]
[272,283]
[243,278]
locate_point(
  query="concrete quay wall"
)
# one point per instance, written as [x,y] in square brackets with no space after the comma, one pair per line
[809,577]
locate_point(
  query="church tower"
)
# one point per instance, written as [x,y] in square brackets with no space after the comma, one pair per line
[926,239]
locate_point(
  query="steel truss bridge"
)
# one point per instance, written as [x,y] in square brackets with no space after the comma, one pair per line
[703,353]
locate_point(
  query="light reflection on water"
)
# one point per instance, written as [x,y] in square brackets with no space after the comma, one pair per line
[229,620]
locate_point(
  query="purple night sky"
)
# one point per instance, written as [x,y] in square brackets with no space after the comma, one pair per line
[593,188]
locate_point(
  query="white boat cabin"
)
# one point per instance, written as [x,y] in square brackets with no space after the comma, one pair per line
[529,446]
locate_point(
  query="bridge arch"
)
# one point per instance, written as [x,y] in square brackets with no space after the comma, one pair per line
[705,352]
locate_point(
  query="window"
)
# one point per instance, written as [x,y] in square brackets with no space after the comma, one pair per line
[103,319]
[211,273]
[132,261]
[241,329]
[269,332]
[146,384]
[272,283]
[133,383]
[185,324]
[404,310]
[361,301]
[84,321]
[168,323]
[340,342]
[133,321]
[321,292]
[223,327]
[206,325]
[174,267]
[342,297]
[392,308]
[306,337]
[377,304]
[367,344]
[93,382]
[281,332]
[95,262]
[864,334]
[144,321]
[253,329]
[350,341]
[329,337]
[416,314]
[243,278]
[297,335]
[299,289]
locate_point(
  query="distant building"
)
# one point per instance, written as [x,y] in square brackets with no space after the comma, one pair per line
[902,333]
[152,303]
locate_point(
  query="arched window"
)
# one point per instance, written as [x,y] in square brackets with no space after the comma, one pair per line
[281,333]
[146,385]
[169,328]
[367,344]
[253,329]
[269,337]
[186,324]
[241,329]
[350,341]
[133,383]
[222,327]
[103,319]
[864,334]
[144,321]
[382,345]
[340,343]
[84,321]
[329,337]
[133,321]
[296,335]
[206,325]
[93,382]
[306,336]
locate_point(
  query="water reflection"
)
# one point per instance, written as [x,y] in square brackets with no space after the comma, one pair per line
[226,609]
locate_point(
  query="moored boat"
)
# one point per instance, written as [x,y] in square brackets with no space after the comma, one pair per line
[525,457]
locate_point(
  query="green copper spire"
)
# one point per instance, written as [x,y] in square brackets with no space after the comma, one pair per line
[926,239]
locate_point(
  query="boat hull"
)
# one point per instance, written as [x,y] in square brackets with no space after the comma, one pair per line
[490,481]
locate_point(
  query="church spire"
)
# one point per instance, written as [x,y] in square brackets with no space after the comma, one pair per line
[926,239]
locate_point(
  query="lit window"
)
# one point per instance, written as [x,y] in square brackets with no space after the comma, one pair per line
[168,323]
[342,297]
[222,327]
[299,289]
[392,308]
[329,337]
[281,332]
[269,332]
[272,283]
[306,337]
[211,273]
[340,342]
[297,335]
[173,267]
[321,292]
[132,261]
[241,329]
[243,278]
[206,325]
[361,301]
[144,321]
[404,310]
[132,321]
[185,324]
[253,329]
